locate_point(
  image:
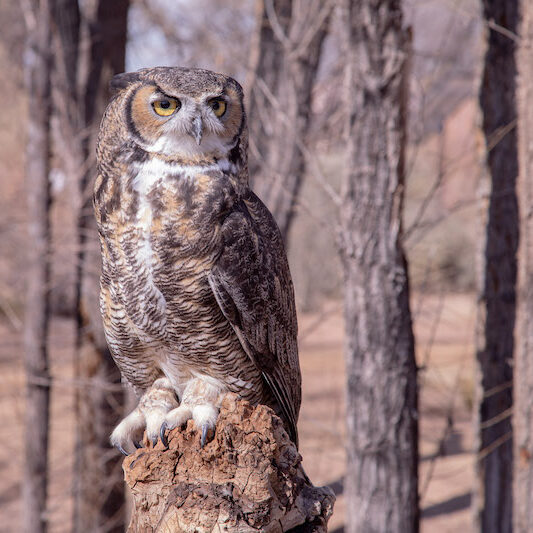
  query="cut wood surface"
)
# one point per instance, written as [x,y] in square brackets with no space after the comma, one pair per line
[248,478]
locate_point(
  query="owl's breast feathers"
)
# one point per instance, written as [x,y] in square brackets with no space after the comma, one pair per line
[160,225]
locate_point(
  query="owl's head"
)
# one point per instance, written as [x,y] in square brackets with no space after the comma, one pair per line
[182,112]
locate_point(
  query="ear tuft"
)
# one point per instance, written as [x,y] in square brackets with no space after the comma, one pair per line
[121,81]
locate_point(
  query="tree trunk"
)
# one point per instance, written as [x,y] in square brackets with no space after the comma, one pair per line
[382,432]
[266,62]
[99,504]
[288,44]
[37,314]
[249,478]
[523,363]
[497,303]
[91,48]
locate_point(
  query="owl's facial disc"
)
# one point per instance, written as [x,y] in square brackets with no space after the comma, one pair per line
[169,121]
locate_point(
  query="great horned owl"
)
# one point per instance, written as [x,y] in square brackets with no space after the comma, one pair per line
[196,294]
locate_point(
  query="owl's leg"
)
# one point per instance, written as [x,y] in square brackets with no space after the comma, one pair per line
[149,414]
[200,401]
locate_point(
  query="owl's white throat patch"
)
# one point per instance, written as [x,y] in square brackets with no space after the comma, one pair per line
[152,173]
[179,144]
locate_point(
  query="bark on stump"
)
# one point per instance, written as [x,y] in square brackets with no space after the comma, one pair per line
[249,478]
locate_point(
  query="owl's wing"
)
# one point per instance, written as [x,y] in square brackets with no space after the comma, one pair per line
[253,287]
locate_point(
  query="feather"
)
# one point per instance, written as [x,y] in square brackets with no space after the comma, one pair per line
[252,285]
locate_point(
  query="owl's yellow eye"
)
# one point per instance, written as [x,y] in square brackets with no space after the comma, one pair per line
[218,106]
[166,106]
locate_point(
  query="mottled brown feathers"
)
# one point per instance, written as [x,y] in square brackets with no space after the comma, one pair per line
[195,283]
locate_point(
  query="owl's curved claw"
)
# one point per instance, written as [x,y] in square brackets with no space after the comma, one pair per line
[162,435]
[122,450]
[154,440]
[137,444]
[207,429]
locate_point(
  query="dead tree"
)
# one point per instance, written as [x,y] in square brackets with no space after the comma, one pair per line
[285,58]
[90,49]
[37,304]
[523,364]
[382,431]
[248,478]
[497,302]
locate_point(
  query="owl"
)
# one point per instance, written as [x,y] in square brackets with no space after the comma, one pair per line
[196,295]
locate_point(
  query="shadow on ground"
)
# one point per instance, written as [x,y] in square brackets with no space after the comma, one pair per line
[457,503]
[452,505]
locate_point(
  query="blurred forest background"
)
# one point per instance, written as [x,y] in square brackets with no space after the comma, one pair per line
[445,218]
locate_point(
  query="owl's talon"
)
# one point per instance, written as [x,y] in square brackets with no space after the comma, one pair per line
[147,417]
[206,430]
[122,450]
[162,435]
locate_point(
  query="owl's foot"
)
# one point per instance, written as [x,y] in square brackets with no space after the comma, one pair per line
[201,401]
[204,416]
[149,414]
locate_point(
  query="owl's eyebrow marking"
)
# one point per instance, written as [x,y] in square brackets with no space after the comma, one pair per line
[218,94]
[160,93]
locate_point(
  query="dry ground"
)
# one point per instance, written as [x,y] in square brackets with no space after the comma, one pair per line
[444,329]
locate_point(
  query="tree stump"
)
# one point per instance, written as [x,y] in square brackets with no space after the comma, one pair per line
[249,478]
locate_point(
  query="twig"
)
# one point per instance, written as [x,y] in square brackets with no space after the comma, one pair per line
[499,134]
[10,314]
[438,453]
[317,321]
[317,173]
[496,444]
[496,419]
[435,187]
[73,383]
[490,23]
[313,29]
[499,388]
[276,26]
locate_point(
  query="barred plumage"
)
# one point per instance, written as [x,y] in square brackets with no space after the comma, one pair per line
[196,294]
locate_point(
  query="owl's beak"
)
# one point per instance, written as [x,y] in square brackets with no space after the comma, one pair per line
[197,129]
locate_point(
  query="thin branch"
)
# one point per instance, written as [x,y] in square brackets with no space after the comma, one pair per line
[325,313]
[435,187]
[496,419]
[439,452]
[504,31]
[499,134]
[496,444]
[74,383]
[313,29]
[276,26]
[488,23]
[317,172]
[11,315]
[499,388]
